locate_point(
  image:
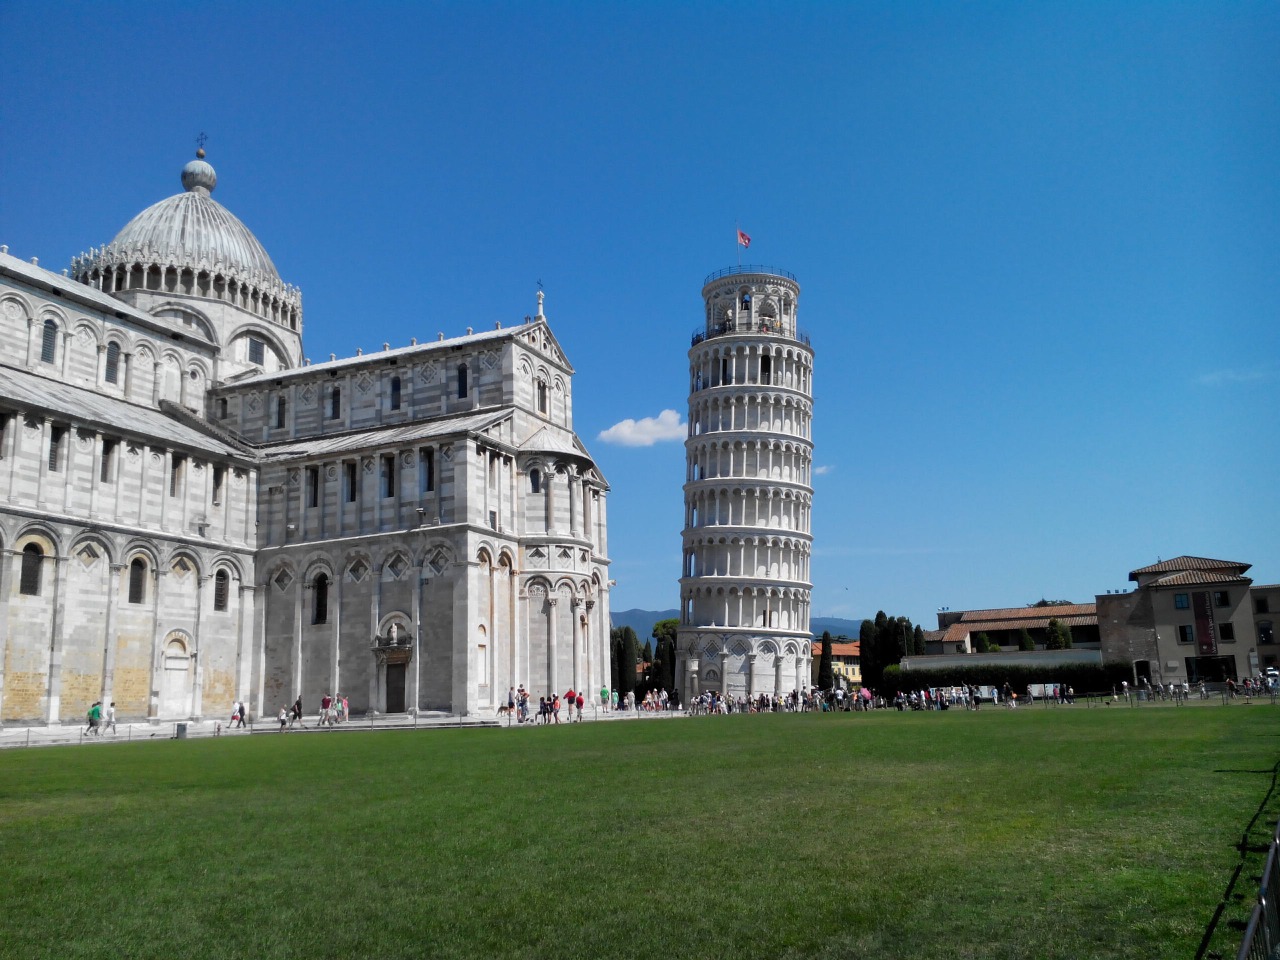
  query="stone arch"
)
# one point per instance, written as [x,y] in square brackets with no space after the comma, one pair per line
[182,553]
[94,330]
[400,621]
[264,333]
[176,667]
[188,316]
[40,534]
[24,311]
[100,544]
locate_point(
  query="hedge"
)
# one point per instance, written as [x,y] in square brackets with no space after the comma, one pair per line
[1082,677]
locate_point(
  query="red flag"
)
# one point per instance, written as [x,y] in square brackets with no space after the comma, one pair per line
[744,239]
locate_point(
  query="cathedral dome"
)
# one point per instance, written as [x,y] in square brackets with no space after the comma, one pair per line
[191,229]
[191,244]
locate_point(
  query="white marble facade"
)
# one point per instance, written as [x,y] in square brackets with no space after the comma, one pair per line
[191,514]
[745,585]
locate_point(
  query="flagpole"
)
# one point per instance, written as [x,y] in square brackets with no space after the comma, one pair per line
[737,240]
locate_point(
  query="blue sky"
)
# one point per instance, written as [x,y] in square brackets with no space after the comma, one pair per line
[1038,244]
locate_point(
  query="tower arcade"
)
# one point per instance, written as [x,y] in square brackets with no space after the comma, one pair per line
[744,586]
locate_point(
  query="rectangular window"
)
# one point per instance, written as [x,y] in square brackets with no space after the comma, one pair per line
[1186,633]
[257,351]
[313,486]
[395,393]
[175,474]
[108,470]
[282,410]
[335,404]
[1221,598]
[426,470]
[350,482]
[389,475]
[56,435]
[222,408]
[4,433]
[49,342]
[1227,632]
[1261,605]
[493,519]
[1182,601]
[219,478]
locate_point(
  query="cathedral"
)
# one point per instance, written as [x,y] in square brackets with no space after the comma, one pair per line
[193,514]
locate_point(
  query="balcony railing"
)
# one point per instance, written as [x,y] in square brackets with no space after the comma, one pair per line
[767,329]
[750,268]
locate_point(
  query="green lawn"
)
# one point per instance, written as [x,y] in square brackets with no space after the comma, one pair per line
[1039,833]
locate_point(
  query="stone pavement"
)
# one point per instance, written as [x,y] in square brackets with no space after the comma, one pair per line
[72,734]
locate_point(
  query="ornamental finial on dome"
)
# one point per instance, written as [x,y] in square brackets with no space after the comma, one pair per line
[198,176]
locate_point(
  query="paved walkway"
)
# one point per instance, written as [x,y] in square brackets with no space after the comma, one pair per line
[71,734]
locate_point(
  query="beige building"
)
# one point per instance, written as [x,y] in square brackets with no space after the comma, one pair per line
[1191,618]
[192,514]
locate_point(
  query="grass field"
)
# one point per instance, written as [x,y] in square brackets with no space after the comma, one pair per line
[1041,833]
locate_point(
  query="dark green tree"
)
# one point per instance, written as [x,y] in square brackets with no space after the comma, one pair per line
[917,641]
[1064,631]
[663,671]
[615,658]
[1024,640]
[627,664]
[867,654]
[826,672]
[982,643]
[1053,639]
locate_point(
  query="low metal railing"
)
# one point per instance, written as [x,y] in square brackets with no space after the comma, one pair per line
[1262,935]
[728,329]
[750,268]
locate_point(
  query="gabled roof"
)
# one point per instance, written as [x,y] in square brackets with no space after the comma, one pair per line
[380,357]
[958,631]
[851,648]
[554,441]
[89,408]
[1030,613]
[1190,563]
[1188,578]
[383,436]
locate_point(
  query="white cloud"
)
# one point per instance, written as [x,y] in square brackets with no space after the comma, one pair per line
[646,431]
[823,470]
[1218,378]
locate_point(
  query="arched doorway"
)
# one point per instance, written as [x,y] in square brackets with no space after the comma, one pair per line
[175,679]
[393,650]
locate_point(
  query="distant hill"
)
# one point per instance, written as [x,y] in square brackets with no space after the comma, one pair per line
[642,621]
[837,625]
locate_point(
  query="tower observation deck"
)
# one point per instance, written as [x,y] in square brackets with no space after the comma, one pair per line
[744,587]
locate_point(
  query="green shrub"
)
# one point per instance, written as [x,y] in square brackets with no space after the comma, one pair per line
[1083,677]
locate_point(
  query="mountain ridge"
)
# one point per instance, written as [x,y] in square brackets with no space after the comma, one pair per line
[642,621]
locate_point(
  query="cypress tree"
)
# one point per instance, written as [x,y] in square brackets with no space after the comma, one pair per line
[826,673]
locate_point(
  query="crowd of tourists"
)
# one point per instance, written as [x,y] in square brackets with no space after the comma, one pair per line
[569,707]
[333,711]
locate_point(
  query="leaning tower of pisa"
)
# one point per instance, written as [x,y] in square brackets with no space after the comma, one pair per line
[744,588]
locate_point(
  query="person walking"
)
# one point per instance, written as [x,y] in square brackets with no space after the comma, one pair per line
[579,702]
[110,720]
[297,714]
[283,718]
[93,716]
